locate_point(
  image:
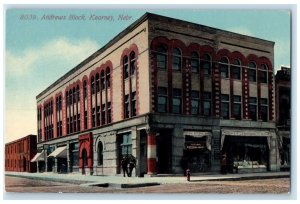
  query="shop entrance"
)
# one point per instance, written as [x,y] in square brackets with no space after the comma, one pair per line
[246,154]
[84,160]
[164,151]
[24,164]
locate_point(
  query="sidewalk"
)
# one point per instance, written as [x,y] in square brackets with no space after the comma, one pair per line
[118,180]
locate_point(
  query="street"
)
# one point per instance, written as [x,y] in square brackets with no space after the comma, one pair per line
[274,186]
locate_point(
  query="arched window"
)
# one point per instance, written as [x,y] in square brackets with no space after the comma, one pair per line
[125,67]
[236,69]
[93,85]
[161,58]
[78,93]
[263,76]
[102,80]
[100,153]
[132,63]
[84,90]
[207,65]
[195,62]
[176,64]
[74,96]
[252,72]
[97,83]
[107,77]
[224,67]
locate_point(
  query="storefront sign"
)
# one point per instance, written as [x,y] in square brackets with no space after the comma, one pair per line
[195,145]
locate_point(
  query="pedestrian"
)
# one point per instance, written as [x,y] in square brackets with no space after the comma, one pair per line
[132,163]
[224,164]
[124,164]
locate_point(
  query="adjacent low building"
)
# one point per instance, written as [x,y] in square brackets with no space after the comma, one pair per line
[173,94]
[19,153]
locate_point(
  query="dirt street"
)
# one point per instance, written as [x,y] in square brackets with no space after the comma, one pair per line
[282,185]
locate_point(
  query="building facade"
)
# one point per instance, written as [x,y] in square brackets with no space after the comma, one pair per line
[173,94]
[19,153]
[283,115]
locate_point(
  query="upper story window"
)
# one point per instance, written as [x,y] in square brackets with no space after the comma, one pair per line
[125,67]
[84,90]
[236,69]
[102,80]
[107,77]
[93,85]
[225,106]
[224,67]
[264,109]
[176,64]
[207,103]
[78,93]
[133,103]
[252,72]
[195,102]
[253,108]
[207,65]
[263,74]
[237,107]
[161,58]
[132,63]
[67,99]
[162,99]
[127,106]
[97,83]
[176,102]
[195,62]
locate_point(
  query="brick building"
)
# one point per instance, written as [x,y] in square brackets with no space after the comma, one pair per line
[283,114]
[19,153]
[171,93]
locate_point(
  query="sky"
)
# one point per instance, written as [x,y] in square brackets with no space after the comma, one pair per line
[39,51]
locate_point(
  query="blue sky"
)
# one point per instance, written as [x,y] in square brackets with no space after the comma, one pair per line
[38,52]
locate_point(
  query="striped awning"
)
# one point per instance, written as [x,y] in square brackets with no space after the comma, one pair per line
[40,156]
[59,152]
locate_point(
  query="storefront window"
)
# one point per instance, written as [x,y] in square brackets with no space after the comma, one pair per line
[126,146]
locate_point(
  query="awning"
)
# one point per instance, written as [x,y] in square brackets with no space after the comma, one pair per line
[245,133]
[59,152]
[199,134]
[38,157]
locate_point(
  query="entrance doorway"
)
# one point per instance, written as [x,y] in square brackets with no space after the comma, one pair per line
[84,160]
[164,151]
[24,164]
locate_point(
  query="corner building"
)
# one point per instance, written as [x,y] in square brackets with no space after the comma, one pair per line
[174,94]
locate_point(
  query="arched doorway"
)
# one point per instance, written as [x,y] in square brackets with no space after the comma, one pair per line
[100,154]
[84,160]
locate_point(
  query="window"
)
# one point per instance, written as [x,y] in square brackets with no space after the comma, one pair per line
[162,99]
[133,104]
[132,63]
[93,85]
[126,105]
[263,78]
[68,123]
[195,102]
[126,146]
[253,108]
[237,107]
[225,106]
[176,108]
[264,109]
[236,69]
[100,153]
[207,103]
[176,62]
[97,83]
[85,119]
[84,89]
[78,122]
[108,112]
[125,67]
[71,124]
[107,77]
[224,67]
[252,72]
[161,58]
[98,115]
[103,115]
[195,62]
[93,117]
[206,65]
[102,80]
